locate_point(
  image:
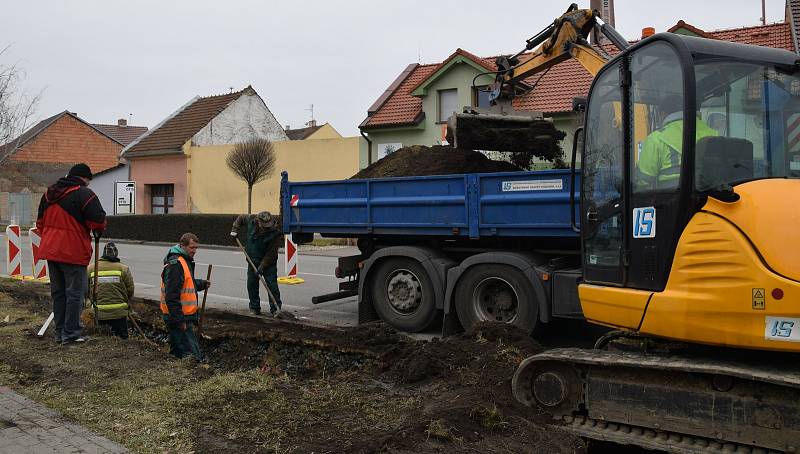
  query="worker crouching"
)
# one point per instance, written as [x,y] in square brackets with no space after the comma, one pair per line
[179,297]
[114,290]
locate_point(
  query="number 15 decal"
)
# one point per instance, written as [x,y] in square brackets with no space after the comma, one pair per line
[644,222]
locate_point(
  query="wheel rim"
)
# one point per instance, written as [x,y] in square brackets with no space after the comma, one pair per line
[403,291]
[496,300]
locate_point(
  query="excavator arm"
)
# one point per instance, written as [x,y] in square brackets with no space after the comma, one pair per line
[501,128]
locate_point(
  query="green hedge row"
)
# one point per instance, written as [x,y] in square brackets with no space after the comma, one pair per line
[209,228]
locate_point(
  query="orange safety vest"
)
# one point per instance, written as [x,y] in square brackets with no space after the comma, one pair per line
[188,292]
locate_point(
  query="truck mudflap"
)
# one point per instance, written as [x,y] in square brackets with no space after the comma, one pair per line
[676,403]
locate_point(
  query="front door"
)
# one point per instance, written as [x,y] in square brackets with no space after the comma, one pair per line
[603,184]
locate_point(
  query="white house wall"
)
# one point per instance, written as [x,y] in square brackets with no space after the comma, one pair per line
[103,186]
[243,119]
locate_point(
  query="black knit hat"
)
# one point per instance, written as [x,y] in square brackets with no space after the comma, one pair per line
[81,170]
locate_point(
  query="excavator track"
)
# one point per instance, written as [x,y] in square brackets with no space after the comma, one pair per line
[688,403]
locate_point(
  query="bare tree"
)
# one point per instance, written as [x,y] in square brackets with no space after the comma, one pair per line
[252,161]
[16,107]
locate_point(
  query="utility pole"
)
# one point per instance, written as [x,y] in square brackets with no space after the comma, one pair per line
[763,12]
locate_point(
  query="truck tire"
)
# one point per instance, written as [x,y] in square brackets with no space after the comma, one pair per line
[496,293]
[403,295]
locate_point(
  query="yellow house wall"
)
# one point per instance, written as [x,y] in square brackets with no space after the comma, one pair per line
[325,131]
[213,188]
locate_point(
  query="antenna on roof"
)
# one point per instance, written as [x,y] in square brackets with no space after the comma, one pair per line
[313,122]
[231,89]
[130,118]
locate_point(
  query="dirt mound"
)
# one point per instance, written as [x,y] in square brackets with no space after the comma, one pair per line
[273,386]
[420,160]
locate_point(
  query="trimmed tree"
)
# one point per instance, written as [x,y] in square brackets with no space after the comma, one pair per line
[252,161]
[16,106]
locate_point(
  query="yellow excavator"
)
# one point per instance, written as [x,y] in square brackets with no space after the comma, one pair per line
[689,218]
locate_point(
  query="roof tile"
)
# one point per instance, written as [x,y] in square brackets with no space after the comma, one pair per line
[122,134]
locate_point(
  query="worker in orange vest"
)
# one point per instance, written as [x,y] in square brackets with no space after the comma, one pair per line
[179,297]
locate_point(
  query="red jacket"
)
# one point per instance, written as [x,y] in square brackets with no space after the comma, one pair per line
[68,212]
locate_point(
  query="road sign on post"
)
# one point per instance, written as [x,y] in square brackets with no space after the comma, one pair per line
[124,197]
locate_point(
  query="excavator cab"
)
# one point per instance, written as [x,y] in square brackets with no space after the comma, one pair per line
[698,118]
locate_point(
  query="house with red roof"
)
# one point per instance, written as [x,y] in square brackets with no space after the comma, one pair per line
[46,151]
[160,160]
[414,108]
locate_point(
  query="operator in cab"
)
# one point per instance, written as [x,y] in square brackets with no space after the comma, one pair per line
[659,163]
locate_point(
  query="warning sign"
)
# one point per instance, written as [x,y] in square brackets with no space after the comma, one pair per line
[759,299]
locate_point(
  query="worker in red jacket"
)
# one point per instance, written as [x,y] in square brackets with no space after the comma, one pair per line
[68,213]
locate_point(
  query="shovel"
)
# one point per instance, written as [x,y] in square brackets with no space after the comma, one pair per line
[280,314]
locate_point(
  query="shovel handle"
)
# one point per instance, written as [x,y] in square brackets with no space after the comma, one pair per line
[203,307]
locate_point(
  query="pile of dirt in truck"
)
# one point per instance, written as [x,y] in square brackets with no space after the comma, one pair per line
[275,386]
[419,160]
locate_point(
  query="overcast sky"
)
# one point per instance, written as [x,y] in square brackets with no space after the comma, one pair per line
[106,59]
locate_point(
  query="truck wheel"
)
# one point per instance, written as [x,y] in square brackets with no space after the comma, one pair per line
[496,293]
[402,294]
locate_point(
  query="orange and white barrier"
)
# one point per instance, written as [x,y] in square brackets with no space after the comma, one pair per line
[290,263]
[39,264]
[13,251]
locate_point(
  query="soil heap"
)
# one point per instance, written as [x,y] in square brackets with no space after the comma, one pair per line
[420,160]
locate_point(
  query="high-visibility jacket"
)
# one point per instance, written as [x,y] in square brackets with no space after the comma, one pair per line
[188,291]
[659,163]
[114,289]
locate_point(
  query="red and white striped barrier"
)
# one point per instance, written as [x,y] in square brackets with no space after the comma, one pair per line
[39,264]
[294,200]
[290,257]
[13,251]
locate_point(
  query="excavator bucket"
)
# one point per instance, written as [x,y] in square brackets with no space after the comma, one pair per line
[510,133]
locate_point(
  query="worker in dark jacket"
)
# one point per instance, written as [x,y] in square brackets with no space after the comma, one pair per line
[68,213]
[179,296]
[114,290]
[263,238]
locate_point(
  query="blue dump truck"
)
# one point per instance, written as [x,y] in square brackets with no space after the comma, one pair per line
[457,248]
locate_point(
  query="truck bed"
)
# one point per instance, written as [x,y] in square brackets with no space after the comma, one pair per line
[474,205]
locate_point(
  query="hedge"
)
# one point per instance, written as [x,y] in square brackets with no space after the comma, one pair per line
[209,228]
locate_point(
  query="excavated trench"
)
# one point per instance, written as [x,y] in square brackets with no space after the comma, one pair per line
[459,386]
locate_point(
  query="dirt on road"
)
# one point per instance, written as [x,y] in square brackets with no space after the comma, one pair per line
[274,386]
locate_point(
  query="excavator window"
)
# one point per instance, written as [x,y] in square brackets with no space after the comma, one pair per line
[755,107]
[657,113]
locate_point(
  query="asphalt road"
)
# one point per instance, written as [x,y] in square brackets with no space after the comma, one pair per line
[228,280]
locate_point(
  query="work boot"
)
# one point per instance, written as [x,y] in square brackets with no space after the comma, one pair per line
[256,311]
[75,341]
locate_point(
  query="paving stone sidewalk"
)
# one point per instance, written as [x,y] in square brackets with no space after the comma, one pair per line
[27,427]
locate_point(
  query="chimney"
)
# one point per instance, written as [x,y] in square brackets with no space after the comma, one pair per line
[312,124]
[606,10]
[287,128]
[648,31]
[122,122]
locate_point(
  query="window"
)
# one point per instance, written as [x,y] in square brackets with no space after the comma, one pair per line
[657,91]
[161,198]
[480,97]
[448,104]
[753,109]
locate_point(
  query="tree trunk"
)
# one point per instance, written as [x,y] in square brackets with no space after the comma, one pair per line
[249,199]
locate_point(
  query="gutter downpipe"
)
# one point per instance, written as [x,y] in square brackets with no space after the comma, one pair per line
[369,147]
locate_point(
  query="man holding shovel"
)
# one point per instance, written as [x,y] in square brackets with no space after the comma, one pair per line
[262,238]
[179,296]
[68,212]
